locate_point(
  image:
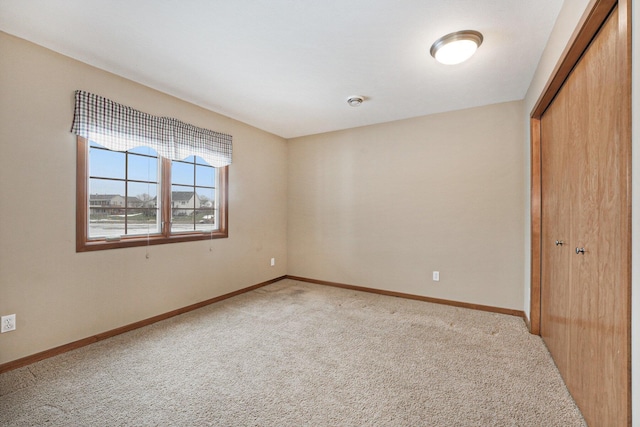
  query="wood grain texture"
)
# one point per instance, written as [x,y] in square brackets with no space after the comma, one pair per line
[536,221]
[625,56]
[500,310]
[591,21]
[556,171]
[82,202]
[594,16]
[585,298]
[126,328]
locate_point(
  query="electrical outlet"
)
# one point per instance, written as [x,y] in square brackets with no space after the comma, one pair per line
[273,262]
[436,276]
[8,323]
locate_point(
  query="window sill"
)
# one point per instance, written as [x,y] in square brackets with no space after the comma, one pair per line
[129,242]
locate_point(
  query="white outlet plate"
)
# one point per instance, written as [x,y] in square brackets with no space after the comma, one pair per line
[273,262]
[8,323]
[436,276]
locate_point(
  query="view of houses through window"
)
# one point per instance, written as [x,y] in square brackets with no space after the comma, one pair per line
[125,197]
[193,199]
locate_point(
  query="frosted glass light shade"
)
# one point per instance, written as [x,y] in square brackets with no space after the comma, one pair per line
[456,47]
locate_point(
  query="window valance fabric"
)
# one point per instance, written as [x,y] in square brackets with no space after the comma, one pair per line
[121,128]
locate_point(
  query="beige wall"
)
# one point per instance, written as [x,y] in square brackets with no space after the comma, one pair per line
[59,295]
[383,206]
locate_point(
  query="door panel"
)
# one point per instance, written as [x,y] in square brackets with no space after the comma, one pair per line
[584,296]
[556,165]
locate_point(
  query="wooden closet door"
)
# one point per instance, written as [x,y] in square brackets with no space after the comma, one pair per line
[585,305]
[556,221]
[600,274]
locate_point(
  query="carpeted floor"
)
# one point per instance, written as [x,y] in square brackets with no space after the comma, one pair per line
[297,354]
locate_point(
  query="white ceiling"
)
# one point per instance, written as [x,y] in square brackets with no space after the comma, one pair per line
[288,66]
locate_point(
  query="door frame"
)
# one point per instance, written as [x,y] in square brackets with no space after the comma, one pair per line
[595,15]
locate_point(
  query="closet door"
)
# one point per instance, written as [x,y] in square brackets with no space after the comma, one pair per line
[584,294]
[557,164]
[600,221]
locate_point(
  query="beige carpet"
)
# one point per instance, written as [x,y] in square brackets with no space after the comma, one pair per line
[296,354]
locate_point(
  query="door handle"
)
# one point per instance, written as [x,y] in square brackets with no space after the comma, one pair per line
[579,251]
[559,242]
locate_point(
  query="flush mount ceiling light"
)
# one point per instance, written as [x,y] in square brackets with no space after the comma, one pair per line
[355,101]
[456,47]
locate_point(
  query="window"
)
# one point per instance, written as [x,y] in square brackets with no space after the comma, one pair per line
[193,195]
[148,186]
[123,193]
[137,198]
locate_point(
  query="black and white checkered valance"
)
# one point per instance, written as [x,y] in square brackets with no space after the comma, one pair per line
[121,128]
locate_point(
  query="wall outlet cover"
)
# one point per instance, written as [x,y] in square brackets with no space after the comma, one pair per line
[8,323]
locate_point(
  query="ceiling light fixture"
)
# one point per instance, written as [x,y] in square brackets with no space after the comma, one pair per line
[355,101]
[456,47]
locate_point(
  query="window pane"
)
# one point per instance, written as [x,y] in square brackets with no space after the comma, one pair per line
[206,197]
[142,195]
[106,207]
[106,192]
[106,164]
[201,161]
[183,197]
[143,168]
[142,209]
[142,221]
[205,176]
[206,219]
[144,150]
[182,173]
[106,186]
[183,203]
[103,224]
[182,225]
